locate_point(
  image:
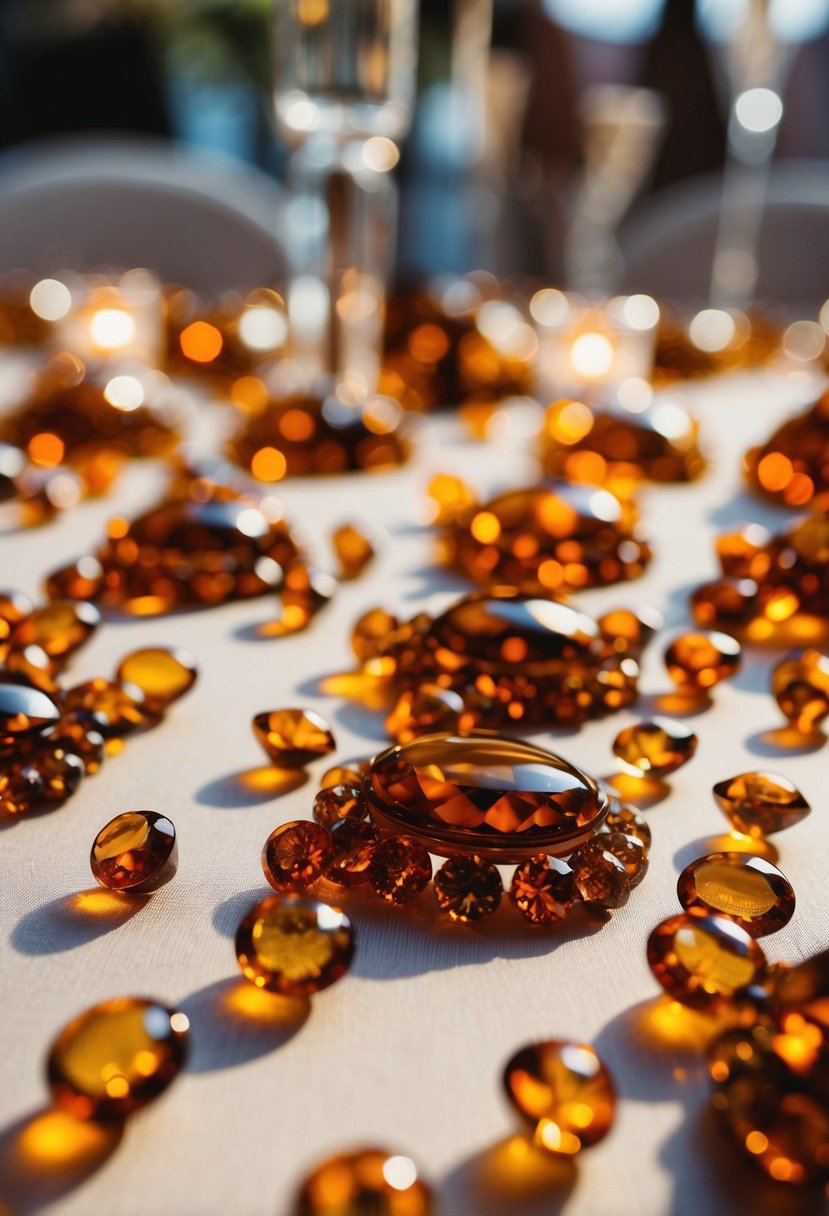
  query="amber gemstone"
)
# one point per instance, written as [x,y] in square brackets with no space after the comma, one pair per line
[353,550]
[371,633]
[601,879]
[424,710]
[791,466]
[84,579]
[630,822]
[750,890]
[162,673]
[468,888]
[627,849]
[549,538]
[655,748]
[340,774]
[802,992]
[59,628]
[483,793]
[32,666]
[353,842]
[336,802]
[137,851]
[82,739]
[116,709]
[304,592]
[758,804]
[744,553]
[25,713]
[564,1092]
[776,1116]
[728,602]
[293,945]
[372,1181]
[400,869]
[628,631]
[21,788]
[116,1057]
[450,496]
[543,889]
[698,661]
[703,960]
[295,855]
[801,688]
[14,606]
[62,772]
[293,738]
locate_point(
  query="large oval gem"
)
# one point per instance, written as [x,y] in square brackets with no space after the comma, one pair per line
[483,794]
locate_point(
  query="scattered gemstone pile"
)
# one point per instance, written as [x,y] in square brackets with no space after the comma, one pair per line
[792,466]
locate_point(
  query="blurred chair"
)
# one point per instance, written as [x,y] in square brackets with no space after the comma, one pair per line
[199,219]
[668,241]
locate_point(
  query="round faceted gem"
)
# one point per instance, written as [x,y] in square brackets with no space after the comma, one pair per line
[750,890]
[136,851]
[800,687]
[628,820]
[759,804]
[629,850]
[601,879]
[352,549]
[655,748]
[116,709]
[62,772]
[59,628]
[353,842]
[400,869]
[373,1181]
[162,673]
[340,774]
[698,661]
[483,793]
[293,945]
[25,713]
[116,1057]
[703,960]
[295,855]
[293,738]
[468,888]
[564,1093]
[729,602]
[543,889]
[21,788]
[424,710]
[336,802]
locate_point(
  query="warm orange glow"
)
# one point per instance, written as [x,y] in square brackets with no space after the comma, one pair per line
[46,449]
[268,464]
[249,393]
[201,342]
[55,1142]
[485,527]
[272,781]
[775,471]
[428,343]
[297,425]
[267,1008]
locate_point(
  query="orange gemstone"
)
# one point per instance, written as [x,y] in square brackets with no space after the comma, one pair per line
[137,851]
[564,1092]
[81,739]
[748,889]
[601,879]
[729,602]
[62,772]
[373,1181]
[790,467]
[450,496]
[115,708]
[628,820]
[703,960]
[352,549]
[162,673]
[543,889]
[698,661]
[468,888]
[424,710]
[353,842]
[400,869]
[483,793]
[293,945]
[800,687]
[627,631]
[25,713]
[81,580]
[627,849]
[295,855]
[59,628]
[293,738]
[31,665]
[336,802]
[745,553]
[371,633]
[758,804]
[21,789]
[655,748]
[14,607]
[116,1057]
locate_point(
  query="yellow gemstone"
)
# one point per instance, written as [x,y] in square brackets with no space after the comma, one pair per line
[59,628]
[468,888]
[564,1092]
[136,851]
[293,945]
[655,748]
[801,688]
[295,855]
[293,738]
[116,1057]
[600,877]
[162,673]
[543,889]
[698,661]
[353,550]
[369,1182]
[703,960]
[758,804]
[750,890]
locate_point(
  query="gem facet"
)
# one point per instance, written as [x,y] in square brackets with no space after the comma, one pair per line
[116,1057]
[353,843]
[628,820]
[162,673]
[748,889]
[424,711]
[627,849]
[698,661]
[399,870]
[483,793]
[468,888]
[293,945]
[116,709]
[601,879]
[136,851]
[703,960]
[564,1092]
[655,748]
[373,1181]
[336,802]
[543,889]
[293,738]
[758,804]
[295,855]
[59,628]
[801,688]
